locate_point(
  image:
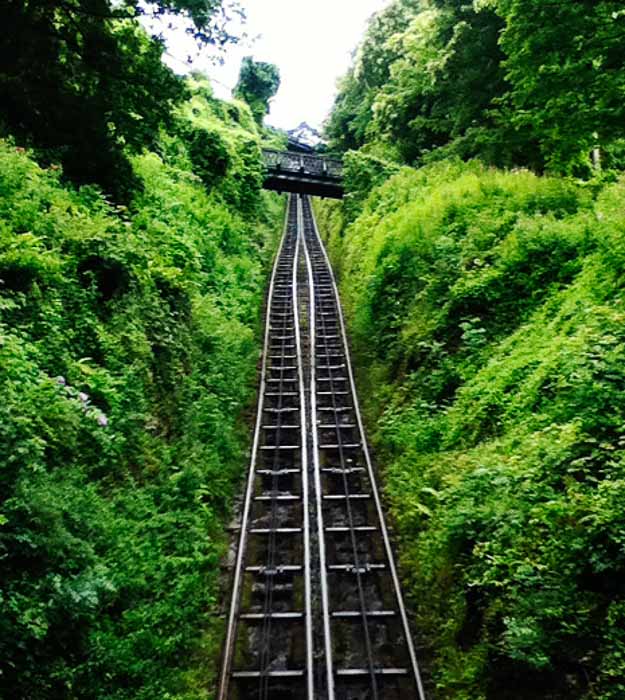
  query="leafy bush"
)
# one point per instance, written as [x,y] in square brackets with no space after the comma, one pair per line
[129,340]
[363,171]
[486,309]
[209,155]
[223,139]
[514,82]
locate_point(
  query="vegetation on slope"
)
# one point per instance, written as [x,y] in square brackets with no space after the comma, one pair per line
[487,309]
[83,84]
[534,83]
[128,348]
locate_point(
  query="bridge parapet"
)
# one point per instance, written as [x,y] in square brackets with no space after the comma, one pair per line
[302,162]
[302,173]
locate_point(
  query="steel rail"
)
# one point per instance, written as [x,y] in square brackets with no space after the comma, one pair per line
[352,533]
[265,659]
[273,530]
[351,528]
[304,465]
[325,605]
[224,682]
[235,616]
[369,467]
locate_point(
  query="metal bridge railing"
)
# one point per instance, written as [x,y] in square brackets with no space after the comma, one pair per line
[302,163]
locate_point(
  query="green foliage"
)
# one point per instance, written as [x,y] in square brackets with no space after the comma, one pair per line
[258,83]
[486,310]
[224,146]
[514,82]
[363,171]
[209,155]
[82,82]
[128,349]
[443,82]
[566,67]
[349,122]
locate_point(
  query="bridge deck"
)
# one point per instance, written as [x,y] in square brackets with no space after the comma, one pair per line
[303,174]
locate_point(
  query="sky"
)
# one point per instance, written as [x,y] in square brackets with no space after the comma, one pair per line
[311,42]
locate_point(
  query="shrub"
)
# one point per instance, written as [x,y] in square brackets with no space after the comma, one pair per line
[128,347]
[485,307]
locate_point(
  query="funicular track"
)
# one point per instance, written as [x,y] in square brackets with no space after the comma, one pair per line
[316,607]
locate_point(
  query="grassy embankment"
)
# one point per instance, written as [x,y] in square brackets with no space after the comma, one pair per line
[487,317]
[129,339]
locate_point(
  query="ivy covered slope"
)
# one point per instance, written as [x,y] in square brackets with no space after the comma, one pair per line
[129,338]
[487,313]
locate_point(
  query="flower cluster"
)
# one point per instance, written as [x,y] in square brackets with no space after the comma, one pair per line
[83,399]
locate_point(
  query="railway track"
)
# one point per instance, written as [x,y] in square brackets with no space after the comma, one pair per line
[316,609]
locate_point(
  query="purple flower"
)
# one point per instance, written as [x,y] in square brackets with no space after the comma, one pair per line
[61,381]
[103,420]
[83,397]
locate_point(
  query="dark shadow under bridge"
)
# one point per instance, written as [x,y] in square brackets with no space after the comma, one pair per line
[301,173]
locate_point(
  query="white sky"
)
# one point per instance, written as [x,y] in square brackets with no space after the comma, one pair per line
[311,42]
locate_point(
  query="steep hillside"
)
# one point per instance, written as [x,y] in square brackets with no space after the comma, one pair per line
[486,313]
[129,338]
[514,82]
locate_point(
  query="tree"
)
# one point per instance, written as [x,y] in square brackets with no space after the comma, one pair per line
[81,81]
[566,66]
[352,114]
[443,86]
[535,83]
[258,83]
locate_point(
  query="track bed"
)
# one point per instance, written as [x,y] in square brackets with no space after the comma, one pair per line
[316,607]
